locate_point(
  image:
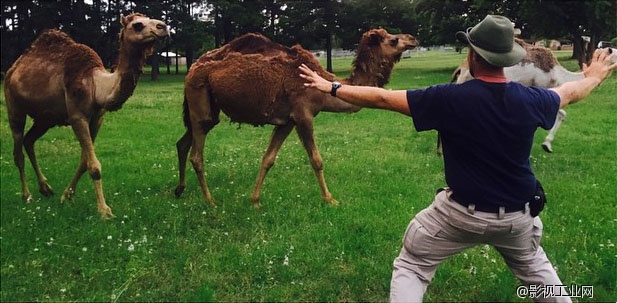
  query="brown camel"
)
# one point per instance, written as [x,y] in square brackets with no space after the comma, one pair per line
[60,82]
[254,80]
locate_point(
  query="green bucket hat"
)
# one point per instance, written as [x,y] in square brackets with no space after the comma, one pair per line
[493,40]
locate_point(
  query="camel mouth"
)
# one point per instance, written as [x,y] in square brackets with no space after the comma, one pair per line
[158,37]
[409,42]
[413,43]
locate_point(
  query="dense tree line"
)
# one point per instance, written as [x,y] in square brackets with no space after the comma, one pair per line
[200,25]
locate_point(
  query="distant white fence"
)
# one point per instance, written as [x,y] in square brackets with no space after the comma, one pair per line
[341,53]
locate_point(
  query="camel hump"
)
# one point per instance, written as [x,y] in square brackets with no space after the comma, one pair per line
[57,46]
[52,39]
[255,43]
[541,56]
[249,41]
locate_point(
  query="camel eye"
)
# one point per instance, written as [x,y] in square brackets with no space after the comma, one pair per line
[138,27]
[394,41]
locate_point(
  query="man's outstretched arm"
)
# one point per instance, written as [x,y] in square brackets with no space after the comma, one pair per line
[364,96]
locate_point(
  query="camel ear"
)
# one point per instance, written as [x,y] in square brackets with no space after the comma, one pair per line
[123,20]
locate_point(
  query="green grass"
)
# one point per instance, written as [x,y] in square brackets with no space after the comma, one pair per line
[296,248]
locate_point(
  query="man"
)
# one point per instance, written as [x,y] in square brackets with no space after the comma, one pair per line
[487,126]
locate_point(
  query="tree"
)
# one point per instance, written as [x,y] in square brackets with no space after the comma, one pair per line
[559,20]
[437,26]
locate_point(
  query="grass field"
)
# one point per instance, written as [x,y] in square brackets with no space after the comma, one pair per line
[296,248]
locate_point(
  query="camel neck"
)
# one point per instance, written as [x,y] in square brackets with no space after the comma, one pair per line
[126,75]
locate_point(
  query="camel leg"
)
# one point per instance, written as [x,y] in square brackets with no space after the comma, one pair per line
[36,131]
[280,133]
[83,164]
[548,141]
[204,115]
[305,132]
[197,159]
[17,129]
[70,189]
[82,131]
[183,146]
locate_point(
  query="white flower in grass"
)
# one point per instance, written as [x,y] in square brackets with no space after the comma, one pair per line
[131,247]
[84,249]
[286,261]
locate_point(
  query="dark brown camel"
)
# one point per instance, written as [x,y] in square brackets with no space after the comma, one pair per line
[254,80]
[60,82]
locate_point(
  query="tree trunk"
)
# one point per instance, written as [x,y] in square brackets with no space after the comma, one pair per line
[329,52]
[189,58]
[578,50]
[155,68]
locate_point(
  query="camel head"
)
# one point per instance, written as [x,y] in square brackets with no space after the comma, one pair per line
[613,52]
[376,55]
[142,32]
[388,45]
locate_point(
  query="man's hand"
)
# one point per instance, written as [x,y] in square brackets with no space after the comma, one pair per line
[600,66]
[314,80]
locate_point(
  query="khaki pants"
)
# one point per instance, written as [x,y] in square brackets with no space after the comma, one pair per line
[446,228]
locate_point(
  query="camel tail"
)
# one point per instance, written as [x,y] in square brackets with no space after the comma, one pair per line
[186,116]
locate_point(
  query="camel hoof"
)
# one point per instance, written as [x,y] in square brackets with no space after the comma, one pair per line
[67,195]
[28,198]
[256,205]
[106,213]
[179,190]
[46,190]
[211,200]
[547,147]
[333,202]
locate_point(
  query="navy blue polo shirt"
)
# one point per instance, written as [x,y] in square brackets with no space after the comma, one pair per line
[487,131]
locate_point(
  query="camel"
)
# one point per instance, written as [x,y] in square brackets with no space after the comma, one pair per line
[539,68]
[254,80]
[60,82]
